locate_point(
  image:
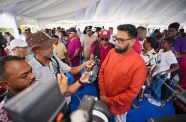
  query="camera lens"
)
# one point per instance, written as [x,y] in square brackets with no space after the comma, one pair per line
[100,112]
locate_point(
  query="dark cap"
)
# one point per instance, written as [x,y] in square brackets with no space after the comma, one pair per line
[72,30]
[88,28]
[98,29]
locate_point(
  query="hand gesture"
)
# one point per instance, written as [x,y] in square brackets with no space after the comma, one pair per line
[103,98]
[62,82]
[84,77]
[89,64]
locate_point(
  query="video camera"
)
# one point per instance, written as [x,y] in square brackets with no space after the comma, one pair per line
[44,102]
[41,102]
[91,110]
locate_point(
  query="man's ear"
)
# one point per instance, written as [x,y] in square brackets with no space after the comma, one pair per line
[132,42]
[35,49]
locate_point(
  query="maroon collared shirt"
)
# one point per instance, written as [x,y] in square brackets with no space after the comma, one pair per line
[103,51]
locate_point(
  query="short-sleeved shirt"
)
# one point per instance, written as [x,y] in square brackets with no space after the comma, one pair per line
[86,42]
[41,71]
[165,59]
[73,45]
[60,50]
[150,58]
[180,45]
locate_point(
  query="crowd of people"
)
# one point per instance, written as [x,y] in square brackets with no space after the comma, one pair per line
[134,62]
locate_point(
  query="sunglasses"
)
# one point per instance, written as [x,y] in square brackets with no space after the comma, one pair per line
[120,40]
[104,39]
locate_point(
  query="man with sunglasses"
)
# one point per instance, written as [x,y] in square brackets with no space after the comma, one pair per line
[101,46]
[100,49]
[122,73]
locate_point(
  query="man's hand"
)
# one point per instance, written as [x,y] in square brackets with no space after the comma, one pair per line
[62,82]
[89,64]
[68,61]
[103,98]
[84,77]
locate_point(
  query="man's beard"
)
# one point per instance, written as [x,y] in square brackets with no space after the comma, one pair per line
[18,90]
[47,56]
[121,50]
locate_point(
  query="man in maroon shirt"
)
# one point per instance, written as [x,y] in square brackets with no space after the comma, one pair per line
[101,46]
[100,49]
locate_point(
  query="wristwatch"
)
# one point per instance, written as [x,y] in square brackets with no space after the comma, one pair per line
[79,81]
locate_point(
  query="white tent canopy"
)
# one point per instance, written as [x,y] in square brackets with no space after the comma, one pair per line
[44,10]
[146,12]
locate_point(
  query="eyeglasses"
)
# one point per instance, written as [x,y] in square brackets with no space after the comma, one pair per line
[120,40]
[104,39]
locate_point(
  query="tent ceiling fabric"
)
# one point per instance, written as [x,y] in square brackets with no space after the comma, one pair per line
[126,11]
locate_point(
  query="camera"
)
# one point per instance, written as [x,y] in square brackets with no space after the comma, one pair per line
[43,102]
[94,71]
[91,110]
[40,102]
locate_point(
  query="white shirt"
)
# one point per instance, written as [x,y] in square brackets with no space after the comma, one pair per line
[165,59]
[150,58]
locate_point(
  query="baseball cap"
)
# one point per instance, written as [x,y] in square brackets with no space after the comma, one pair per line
[88,28]
[17,43]
[104,34]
